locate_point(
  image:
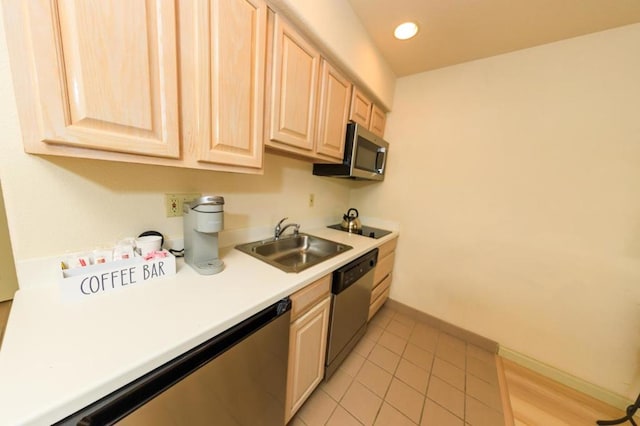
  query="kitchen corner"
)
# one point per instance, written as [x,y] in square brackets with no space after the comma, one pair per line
[512,173]
[97,346]
[5,308]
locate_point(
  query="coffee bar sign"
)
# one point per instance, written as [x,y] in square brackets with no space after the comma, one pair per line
[94,280]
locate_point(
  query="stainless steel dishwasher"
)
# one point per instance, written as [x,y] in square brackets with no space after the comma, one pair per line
[350,297]
[236,378]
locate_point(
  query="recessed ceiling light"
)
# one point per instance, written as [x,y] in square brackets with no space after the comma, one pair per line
[406,30]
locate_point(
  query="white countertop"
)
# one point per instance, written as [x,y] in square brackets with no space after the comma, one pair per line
[59,356]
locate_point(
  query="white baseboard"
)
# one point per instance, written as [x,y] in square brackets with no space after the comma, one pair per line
[566,379]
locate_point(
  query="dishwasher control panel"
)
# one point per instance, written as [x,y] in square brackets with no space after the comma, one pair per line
[353,271]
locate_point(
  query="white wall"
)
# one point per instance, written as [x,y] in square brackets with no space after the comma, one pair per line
[516,180]
[57,204]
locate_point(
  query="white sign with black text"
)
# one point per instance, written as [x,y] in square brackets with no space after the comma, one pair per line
[94,280]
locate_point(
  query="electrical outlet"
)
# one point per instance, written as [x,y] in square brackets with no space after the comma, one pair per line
[174,202]
[312,200]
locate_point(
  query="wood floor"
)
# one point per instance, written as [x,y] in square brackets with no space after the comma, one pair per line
[5,307]
[539,401]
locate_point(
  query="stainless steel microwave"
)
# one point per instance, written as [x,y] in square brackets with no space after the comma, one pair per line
[365,156]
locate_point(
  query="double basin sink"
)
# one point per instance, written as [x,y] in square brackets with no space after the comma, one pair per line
[294,253]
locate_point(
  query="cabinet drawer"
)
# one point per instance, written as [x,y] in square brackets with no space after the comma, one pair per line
[380,288]
[387,248]
[304,299]
[377,304]
[383,268]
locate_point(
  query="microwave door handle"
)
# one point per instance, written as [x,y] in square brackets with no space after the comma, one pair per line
[381,159]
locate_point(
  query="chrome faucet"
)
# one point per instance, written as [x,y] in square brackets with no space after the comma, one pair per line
[280,229]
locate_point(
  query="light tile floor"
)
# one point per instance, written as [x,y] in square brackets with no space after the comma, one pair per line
[405,372]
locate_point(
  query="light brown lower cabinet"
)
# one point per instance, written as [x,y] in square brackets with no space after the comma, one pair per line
[307,343]
[382,276]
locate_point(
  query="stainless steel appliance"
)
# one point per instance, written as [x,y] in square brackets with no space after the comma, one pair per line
[367,231]
[350,296]
[237,378]
[203,219]
[365,156]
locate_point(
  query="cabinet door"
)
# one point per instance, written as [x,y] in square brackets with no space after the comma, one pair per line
[360,108]
[307,351]
[231,71]
[378,121]
[294,87]
[333,111]
[106,74]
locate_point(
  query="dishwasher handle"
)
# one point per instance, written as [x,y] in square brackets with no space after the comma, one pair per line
[130,397]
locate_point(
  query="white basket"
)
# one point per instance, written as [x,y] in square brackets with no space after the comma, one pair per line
[94,280]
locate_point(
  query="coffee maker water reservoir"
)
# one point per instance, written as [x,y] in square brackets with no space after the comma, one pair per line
[203,219]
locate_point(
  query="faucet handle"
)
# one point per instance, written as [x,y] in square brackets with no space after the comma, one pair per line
[281,220]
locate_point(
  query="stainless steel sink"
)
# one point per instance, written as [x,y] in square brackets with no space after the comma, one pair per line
[294,253]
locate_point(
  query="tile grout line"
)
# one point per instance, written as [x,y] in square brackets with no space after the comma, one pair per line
[339,405]
[393,375]
[424,397]
[426,392]
[390,324]
[464,408]
[354,378]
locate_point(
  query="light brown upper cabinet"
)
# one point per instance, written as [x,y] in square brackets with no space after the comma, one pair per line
[230,80]
[99,80]
[378,120]
[294,87]
[360,108]
[309,98]
[364,112]
[333,112]
[141,81]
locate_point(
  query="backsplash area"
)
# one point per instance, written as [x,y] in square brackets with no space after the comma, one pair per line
[58,205]
[99,202]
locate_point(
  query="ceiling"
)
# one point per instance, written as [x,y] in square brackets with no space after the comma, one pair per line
[455,31]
